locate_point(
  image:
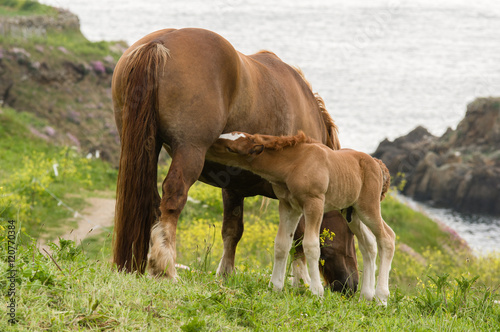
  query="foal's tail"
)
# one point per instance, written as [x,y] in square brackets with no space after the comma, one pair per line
[136,190]
[387,178]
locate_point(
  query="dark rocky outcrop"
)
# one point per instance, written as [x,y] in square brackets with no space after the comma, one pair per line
[460,170]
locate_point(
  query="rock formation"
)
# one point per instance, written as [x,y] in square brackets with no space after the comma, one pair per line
[48,68]
[460,170]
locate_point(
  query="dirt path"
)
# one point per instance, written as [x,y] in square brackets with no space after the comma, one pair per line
[99,213]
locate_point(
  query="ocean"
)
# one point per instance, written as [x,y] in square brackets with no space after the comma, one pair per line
[382,66]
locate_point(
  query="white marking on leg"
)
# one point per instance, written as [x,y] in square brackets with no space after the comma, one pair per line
[232,136]
[281,249]
[368,247]
[386,246]
[161,257]
[300,272]
[282,244]
[312,252]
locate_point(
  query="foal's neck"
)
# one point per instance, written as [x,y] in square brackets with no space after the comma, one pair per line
[272,165]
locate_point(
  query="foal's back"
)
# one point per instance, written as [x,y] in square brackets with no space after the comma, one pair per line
[342,176]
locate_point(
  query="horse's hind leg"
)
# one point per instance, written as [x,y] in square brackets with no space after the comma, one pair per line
[232,229]
[385,239]
[187,163]
[386,244]
[368,247]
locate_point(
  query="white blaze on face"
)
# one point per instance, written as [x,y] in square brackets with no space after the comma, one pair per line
[232,136]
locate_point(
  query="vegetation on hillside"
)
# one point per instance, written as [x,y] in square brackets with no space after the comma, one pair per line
[68,291]
[35,175]
[51,70]
[436,283]
[25,7]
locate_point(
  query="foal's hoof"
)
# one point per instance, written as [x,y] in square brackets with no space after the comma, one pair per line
[276,288]
[380,301]
[318,291]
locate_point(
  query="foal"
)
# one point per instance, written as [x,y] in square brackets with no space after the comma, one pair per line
[309,178]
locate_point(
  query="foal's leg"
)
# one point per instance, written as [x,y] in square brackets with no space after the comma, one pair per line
[386,244]
[368,247]
[232,229]
[385,238]
[300,272]
[313,213]
[283,242]
[187,163]
[386,247]
[299,263]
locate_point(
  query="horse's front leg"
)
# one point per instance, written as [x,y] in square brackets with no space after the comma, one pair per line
[289,219]
[186,166]
[313,214]
[232,229]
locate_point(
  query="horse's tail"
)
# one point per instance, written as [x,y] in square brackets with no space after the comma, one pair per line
[136,190]
[387,178]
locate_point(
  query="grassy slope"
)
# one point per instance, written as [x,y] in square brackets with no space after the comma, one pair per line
[25,7]
[25,159]
[75,291]
[37,67]
[90,295]
[85,292]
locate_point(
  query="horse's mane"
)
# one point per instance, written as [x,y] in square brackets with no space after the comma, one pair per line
[331,127]
[278,143]
[268,52]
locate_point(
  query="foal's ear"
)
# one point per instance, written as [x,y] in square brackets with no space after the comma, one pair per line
[257,149]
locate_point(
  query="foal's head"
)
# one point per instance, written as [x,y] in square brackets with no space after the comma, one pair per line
[236,144]
[243,144]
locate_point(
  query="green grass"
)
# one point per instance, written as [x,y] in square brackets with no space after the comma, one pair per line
[28,183]
[412,227]
[24,8]
[72,293]
[78,47]
[76,287]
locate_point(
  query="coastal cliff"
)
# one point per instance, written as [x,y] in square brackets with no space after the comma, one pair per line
[459,170]
[48,68]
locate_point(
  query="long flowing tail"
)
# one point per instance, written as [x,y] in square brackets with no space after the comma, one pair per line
[387,178]
[140,146]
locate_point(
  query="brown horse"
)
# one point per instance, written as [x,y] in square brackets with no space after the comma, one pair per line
[309,178]
[181,89]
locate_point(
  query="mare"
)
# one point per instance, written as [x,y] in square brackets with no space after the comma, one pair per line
[309,178]
[180,90]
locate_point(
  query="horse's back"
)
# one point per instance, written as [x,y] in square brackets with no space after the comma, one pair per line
[281,97]
[206,79]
